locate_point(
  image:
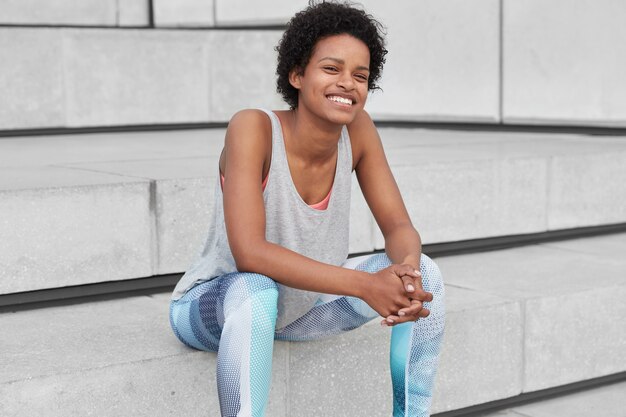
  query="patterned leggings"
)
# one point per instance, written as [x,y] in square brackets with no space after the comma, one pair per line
[235,315]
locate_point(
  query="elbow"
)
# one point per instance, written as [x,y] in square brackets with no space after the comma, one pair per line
[243,263]
[245,256]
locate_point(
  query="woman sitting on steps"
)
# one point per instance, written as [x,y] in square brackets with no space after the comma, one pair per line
[275,266]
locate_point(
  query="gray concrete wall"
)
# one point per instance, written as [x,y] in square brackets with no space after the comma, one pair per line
[492,61]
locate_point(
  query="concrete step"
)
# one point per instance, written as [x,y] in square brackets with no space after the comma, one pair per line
[519,320]
[81,209]
[604,401]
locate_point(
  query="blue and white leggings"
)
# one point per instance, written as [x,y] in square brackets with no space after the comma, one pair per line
[235,316]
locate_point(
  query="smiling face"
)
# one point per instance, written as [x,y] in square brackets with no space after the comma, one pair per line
[334,84]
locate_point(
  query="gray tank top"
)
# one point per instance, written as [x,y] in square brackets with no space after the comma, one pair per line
[322,235]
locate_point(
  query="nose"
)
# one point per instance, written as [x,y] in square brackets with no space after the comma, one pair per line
[345,81]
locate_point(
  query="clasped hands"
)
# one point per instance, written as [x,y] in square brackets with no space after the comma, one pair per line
[396,294]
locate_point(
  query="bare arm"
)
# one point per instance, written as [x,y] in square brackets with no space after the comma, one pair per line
[247,146]
[402,242]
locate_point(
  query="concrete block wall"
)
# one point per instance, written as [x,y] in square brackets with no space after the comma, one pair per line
[75,12]
[95,77]
[491,61]
[563,63]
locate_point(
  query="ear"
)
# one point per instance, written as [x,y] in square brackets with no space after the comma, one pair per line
[295,76]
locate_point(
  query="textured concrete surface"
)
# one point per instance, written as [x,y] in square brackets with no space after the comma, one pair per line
[605,401]
[96,77]
[70,361]
[133,13]
[250,59]
[562,64]
[183,203]
[181,13]
[441,64]
[125,349]
[498,196]
[60,12]
[583,188]
[482,356]
[575,337]
[31,74]
[127,77]
[184,210]
[70,339]
[242,12]
[80,150]
[557,69]
[505,183]
[74,234]
[495,332]
[75,12]
[573,309]
[353,366]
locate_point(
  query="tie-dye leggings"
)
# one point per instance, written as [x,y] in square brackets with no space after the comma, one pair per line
[235,315]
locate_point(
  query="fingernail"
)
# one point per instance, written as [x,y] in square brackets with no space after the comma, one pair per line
[416,271]
[401,313]
[410,288]
[383,324]
[390,320]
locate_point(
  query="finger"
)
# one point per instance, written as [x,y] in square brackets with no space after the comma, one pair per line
[411,271]
[409,283]
[405,269]
[413,310]
[404,319]
[420,294]
[411,317]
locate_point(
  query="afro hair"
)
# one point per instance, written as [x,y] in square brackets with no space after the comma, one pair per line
[319,21]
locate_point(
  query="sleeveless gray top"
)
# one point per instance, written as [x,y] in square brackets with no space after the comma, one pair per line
[322,235]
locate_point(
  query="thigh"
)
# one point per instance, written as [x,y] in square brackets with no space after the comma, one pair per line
[335,314]
[194,317]
[327,319]
[198,317]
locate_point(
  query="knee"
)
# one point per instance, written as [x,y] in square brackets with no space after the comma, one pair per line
[374,263]
[432,280]
[255,293]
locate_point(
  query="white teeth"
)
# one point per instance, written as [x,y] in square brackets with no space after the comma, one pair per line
[340,100]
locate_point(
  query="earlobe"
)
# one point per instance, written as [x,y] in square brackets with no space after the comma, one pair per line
[294,77]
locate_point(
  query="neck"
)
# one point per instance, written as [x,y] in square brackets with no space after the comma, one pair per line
[311,139]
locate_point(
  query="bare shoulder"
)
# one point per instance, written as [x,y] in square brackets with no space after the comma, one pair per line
[251,122]
[248,136]
[364,137]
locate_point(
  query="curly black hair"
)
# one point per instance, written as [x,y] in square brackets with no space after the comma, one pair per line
[316,22]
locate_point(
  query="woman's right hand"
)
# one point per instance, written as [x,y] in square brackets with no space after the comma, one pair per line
[394,293]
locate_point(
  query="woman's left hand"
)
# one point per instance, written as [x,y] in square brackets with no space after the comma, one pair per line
[415,291]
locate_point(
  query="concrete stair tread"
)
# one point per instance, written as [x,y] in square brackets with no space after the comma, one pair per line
[605,401]
[50,177]
[538,271]
[505,342]
[173,144]
[74,205]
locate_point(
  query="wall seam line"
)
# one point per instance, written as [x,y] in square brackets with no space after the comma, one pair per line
[501,64]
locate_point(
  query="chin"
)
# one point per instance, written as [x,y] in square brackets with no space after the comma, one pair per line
[343,117]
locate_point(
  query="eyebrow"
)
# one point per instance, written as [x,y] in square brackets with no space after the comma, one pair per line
[342,62]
